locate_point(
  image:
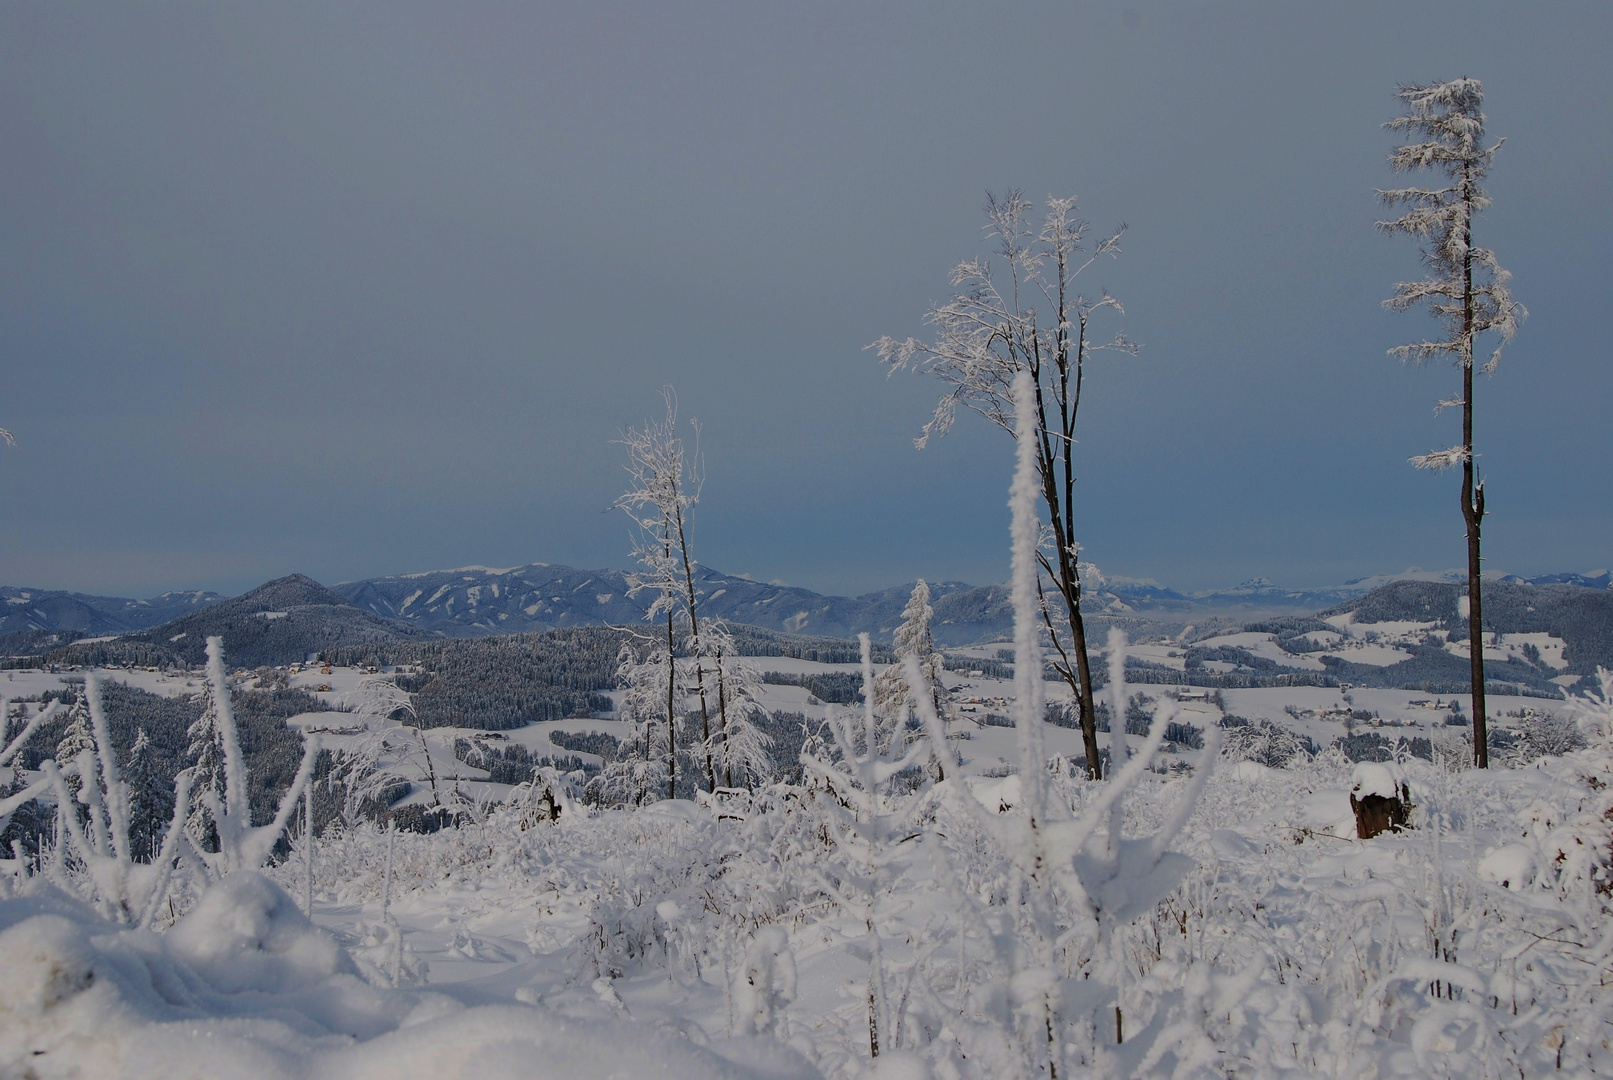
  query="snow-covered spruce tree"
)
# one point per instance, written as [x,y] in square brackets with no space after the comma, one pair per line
[204,750]
[893,697]
[1466,290]
[146,800]
[664,490]
[741,747]
[76,739]
[990,331]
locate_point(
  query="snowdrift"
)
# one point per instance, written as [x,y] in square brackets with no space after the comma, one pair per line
[245,986]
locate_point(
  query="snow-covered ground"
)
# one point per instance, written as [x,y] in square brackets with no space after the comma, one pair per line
[749,935]
[613,944]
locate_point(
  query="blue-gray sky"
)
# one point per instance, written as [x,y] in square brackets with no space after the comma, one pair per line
[355,289]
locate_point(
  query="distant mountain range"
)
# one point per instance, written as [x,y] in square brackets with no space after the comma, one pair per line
[296,613]
[24,610]
[476,600]
[283,620]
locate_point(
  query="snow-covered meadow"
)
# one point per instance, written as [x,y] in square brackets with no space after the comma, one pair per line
[733,937]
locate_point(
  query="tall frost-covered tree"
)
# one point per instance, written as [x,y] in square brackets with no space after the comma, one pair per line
[664,489]
[1465,289]
[1026,314]
[741,747]
[148,810]
[204,749]
[393,746]
[76,740]
[893,697]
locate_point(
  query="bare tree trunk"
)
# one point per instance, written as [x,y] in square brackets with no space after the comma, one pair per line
[1472,512]
[431,770]
[1058,491]
[1089,711]
[699,658]
[722,722]
[671,709]
[1078,676]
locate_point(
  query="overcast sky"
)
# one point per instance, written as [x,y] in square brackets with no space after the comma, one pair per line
[355,289]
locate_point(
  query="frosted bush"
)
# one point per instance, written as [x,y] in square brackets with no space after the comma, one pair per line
[1264,743]
[765,984]
[1549,735]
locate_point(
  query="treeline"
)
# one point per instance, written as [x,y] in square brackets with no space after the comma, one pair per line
[116,653]
[496,683]
[1001,668]
[587,742]
[1432,669]
[515,764]
[1160,675]
[1197,656]
[755,641]
[835,687]
[32,643]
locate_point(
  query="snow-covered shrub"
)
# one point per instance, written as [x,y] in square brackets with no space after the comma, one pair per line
[1056,881]
[245,933]
[764,984]
[1548,735]
[1450,750]
[867,821]
[1263,742]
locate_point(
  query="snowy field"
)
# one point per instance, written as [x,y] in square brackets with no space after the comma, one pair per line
[783,932]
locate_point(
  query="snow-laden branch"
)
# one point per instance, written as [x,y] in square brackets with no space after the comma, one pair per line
[125,890]
[243,846]
[1442,459]
[31,726]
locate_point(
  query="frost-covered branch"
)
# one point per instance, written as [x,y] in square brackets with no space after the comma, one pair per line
[241,845]
[28,729]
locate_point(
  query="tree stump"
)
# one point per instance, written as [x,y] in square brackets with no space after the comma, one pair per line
[1381,800]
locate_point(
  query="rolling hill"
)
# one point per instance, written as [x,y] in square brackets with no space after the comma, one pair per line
[280,621]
